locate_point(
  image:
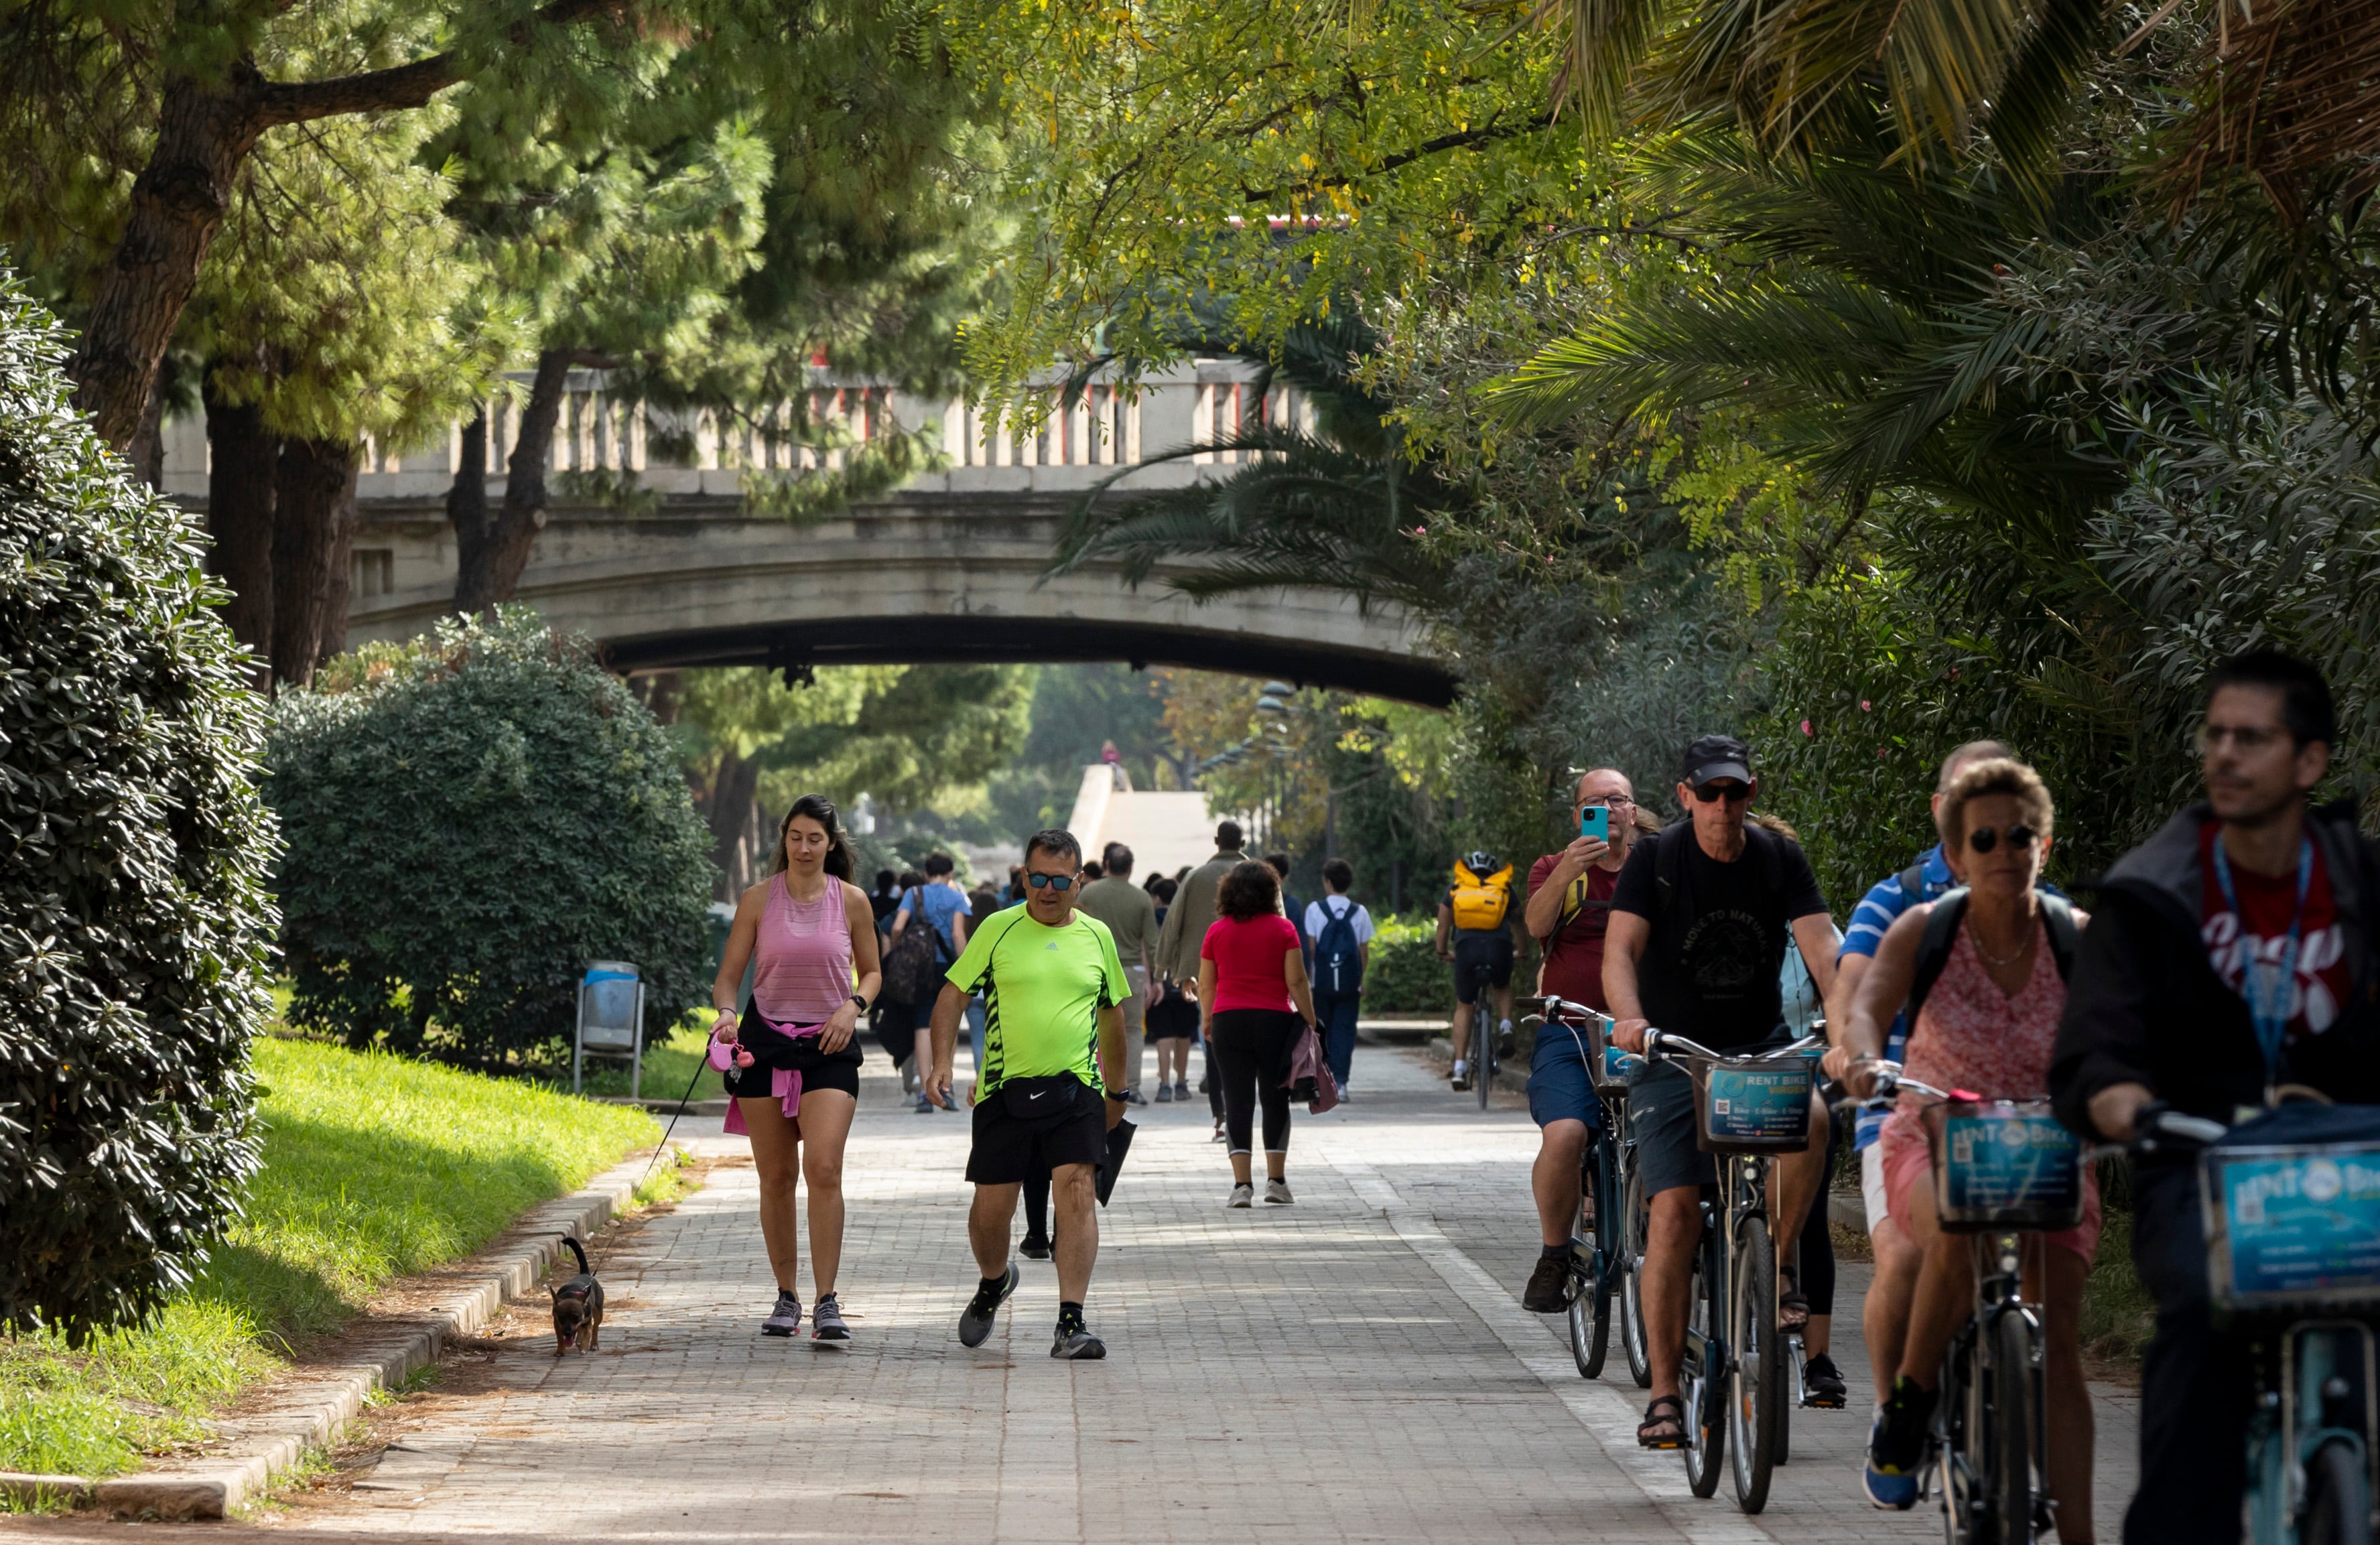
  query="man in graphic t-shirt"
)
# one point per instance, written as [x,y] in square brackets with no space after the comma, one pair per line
[1700,921]
[1568,909]
[2232,953]
[1054,992]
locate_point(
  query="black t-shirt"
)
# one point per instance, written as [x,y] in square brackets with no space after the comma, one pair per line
[1711,970]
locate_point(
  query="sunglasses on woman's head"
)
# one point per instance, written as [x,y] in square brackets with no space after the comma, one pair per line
[1983,839]
[1733,793]
[1050,882]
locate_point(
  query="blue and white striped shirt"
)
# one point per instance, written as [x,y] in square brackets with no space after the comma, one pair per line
[1877,911]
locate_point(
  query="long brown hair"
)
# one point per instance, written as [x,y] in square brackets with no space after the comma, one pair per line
[820,808]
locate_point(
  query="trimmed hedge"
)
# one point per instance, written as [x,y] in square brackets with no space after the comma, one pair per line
[134,922]
[471,818]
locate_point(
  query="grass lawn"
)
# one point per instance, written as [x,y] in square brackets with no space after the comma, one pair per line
[668,1066]
[375,1167]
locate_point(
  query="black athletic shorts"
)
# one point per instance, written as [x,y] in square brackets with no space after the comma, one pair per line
[1172,1016]
[819,1070]
[1481,960]
[1009,1149]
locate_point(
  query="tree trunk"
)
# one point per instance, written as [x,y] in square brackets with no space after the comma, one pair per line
[239,517]
[467,510]
[488,574]
[316,476]
[205,129]
[731,820]
[341,566]
[147,451]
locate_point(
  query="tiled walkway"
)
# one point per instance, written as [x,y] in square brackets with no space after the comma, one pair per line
[1354,1367]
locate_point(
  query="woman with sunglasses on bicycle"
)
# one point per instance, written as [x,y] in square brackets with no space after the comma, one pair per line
[1987,1027]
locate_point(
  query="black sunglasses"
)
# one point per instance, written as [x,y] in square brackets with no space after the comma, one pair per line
[1050,882]
[1983,839]
[1734,794]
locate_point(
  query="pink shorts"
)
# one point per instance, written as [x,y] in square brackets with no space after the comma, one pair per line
[1908,1162]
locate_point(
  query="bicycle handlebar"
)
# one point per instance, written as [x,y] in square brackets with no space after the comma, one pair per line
[1668,1046]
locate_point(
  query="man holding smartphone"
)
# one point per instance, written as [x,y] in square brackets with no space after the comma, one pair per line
[1569,907]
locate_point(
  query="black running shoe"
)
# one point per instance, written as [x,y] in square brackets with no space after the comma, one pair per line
[1548,1289]
[1034,1249]
[1077,1343]
[826,1320]
[1823,1384]
[975,1320]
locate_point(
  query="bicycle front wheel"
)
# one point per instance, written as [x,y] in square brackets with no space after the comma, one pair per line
[2009,1474]
[1634,1225]
[2339,1499]
[1756,1374]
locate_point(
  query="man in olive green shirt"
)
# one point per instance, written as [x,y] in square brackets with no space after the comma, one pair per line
[1186,922]
[1131,915]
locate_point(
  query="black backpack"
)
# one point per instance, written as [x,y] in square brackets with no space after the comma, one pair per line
[1337,962]
[1942,936]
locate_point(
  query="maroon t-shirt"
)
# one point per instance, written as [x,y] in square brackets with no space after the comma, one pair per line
[1574,954]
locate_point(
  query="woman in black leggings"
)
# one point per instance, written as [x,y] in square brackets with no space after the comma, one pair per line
[1254,1003]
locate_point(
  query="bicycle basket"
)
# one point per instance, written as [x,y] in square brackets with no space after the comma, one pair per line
[2002,1164]
[2294,1224]
[1607,1067]
[1753,1104]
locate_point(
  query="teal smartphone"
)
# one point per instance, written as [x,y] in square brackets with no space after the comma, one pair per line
[1595,821]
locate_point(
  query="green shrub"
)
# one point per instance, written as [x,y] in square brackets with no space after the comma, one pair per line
[1405,974]
[470,820]
[134,921]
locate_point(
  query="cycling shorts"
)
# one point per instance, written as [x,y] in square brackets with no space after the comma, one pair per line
[1481,960]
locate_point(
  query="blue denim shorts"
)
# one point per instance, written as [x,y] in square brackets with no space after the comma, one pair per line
[1558,1086]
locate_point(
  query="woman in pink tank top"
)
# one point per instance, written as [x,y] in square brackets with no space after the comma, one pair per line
[790,1064]
[1986,1027]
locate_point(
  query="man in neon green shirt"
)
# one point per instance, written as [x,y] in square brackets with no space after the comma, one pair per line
[1053,991]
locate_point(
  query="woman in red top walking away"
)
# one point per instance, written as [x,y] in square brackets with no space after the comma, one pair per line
[792,1068]
[1253,1002]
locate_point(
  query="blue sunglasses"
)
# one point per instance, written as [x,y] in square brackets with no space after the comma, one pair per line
[1047,881]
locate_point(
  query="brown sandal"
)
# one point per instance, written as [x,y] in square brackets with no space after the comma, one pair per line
[1648,1433]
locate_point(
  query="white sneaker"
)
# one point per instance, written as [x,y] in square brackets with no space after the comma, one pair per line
[1277,1191]
[1241,1195]
[1461,1076]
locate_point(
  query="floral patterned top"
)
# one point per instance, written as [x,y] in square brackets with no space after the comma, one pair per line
[1973,1036]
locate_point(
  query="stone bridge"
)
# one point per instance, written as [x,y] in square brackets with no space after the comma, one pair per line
[655,547]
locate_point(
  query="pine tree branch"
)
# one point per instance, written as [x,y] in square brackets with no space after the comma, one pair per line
[401,86]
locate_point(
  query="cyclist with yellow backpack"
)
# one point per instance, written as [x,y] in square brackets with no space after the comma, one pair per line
[1475,932]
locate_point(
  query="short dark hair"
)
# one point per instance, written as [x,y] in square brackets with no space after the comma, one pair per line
[1280,862]
[2306,705]
[1339,875]
[1118,860]
[939,863]
[1057,840]
[1251,890]
[886,880]
[1091,870]
[1165,890]
[1228,836]
[911,880]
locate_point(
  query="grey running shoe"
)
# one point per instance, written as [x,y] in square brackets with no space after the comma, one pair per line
[1077,1343]
[826,1320]
[1277,1191]
[786,1318]
[1182,1090]
[975,1320]
[1243,1195]
[1133,1097]
[1165,1094]
[925,1104]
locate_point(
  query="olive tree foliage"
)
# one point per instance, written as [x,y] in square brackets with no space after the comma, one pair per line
[470,820]
[135,923]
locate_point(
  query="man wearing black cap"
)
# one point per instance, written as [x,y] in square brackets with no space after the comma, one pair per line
[1699,922]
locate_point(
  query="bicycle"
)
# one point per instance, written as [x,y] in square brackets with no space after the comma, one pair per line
[1597,1262]
[1747,1109]
[2292,1209]
[2002,1168]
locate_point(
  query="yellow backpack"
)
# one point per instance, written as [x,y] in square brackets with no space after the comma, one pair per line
[1480,900]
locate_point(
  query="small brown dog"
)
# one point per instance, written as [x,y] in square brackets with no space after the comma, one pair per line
[579,1308]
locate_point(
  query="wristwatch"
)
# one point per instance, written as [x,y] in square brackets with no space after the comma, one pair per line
[861,1002]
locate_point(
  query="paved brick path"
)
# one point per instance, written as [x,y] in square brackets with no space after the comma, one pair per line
[1354,1367]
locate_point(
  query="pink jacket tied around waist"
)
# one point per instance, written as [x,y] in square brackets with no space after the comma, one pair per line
[784,1083]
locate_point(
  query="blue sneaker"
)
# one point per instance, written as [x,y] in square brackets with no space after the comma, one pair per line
[1896,1447]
